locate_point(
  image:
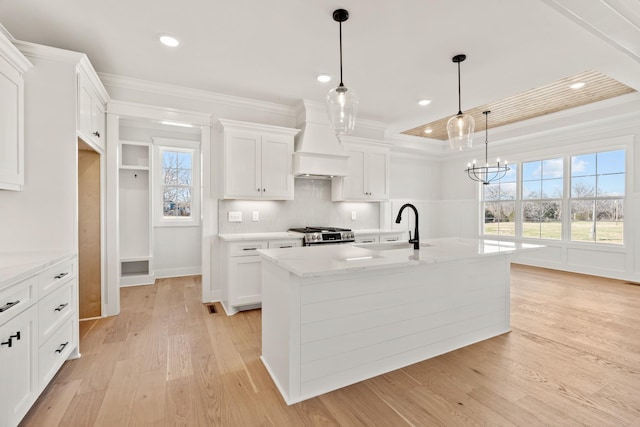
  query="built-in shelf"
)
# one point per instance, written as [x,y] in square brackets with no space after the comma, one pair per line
[136,257]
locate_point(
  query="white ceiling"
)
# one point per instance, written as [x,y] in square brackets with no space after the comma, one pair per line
[395,53]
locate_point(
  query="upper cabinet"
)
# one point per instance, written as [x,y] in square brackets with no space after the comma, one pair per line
[258,161]
[13,65]
[92,99]
[368,173]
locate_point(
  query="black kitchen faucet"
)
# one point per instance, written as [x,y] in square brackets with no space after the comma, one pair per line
[416,235]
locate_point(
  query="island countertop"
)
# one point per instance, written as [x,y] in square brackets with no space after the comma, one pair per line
[323,260]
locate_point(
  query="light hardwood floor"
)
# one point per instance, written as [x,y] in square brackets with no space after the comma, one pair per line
[572,358]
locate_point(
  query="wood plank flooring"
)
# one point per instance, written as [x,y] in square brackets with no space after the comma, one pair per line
[572,359]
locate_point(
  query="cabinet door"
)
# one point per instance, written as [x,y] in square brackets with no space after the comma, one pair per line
[354,185]
[11,128]
[242,165]
[97,123]
[18,366]
[245,280]
[84,108]
[277,158]
[377,177]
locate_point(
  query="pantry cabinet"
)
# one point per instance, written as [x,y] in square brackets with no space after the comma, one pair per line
[13,64]
[91,110]
[368,173]
[258,161]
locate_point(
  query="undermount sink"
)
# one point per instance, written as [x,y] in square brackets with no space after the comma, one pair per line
[384,246]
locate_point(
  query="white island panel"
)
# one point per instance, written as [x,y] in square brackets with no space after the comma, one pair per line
[326,330]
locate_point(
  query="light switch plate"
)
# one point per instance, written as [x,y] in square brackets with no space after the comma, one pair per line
[235,216]
[255,216]
[353,215]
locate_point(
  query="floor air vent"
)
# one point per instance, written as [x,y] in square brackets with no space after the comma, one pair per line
[212,308]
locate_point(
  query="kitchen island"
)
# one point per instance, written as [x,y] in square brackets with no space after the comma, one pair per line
[335,315]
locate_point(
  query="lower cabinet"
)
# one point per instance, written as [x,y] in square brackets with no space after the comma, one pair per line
[18,366]
[243,272]
[38,332]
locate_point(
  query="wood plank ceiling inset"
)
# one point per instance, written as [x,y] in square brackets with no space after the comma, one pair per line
[554,97]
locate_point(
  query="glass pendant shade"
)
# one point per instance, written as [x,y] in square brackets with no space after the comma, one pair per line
[342,108]
[460,130]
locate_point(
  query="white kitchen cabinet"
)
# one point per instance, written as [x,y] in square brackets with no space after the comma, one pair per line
[367,238]
[38,330]
[368,174]
[242,272]
[13,65]
[18,366]
[91,110]
[258,161]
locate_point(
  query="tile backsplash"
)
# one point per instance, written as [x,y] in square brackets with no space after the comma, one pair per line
[312,207]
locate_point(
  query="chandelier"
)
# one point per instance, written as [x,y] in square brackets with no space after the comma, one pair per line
[488,173]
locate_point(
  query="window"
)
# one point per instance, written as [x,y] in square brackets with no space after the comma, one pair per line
[597,197]
[542,193]
[499,205]
[177,195]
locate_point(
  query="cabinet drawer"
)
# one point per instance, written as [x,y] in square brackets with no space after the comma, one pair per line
[246,248]
[54,309]
[56,275]
[54,352]
[16,298]
[291,243]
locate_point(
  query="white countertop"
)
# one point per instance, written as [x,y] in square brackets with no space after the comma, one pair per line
[377,231]
[278,235]
[324,260]
[20,265]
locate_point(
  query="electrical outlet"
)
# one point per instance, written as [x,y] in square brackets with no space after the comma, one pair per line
[353,215]
[255,216]
[235,216]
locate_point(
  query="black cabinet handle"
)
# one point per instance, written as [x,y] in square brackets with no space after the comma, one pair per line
[7,343]
[286,246]
[96,133]
[61,306]
[61,275]
[8,305]
[249,249]
[62,346]
[16,336]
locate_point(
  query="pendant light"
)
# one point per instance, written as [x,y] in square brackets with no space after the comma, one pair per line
[342,103]
[488,173]
[460,127]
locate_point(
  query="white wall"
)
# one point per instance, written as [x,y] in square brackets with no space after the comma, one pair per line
[42,216]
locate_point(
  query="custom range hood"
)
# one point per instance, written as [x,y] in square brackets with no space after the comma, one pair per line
[318,153]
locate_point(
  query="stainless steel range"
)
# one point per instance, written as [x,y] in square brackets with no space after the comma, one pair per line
[325,235]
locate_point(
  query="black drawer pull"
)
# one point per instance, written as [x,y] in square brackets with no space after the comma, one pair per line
[61,306]
[7,343]
[286,246]
[249,249]
[8,305]
[16,336]
[60,276]
[62,346]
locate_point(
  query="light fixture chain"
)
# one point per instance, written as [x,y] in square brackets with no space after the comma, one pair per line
[486,137]
[459,90]
[341,84]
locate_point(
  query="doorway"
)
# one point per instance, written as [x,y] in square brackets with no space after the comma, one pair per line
[89,232]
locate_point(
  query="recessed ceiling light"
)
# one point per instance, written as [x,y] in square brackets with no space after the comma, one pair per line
[169,41]
[428,130]
[324,78]
[424,102]
[578,85]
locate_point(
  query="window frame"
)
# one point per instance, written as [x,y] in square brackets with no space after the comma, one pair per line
[566,151]
[161,145]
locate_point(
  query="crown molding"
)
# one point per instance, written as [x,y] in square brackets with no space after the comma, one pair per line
[157,113]
[11,53]
[236,124]
[89,73]
[129,83]
[34,50]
